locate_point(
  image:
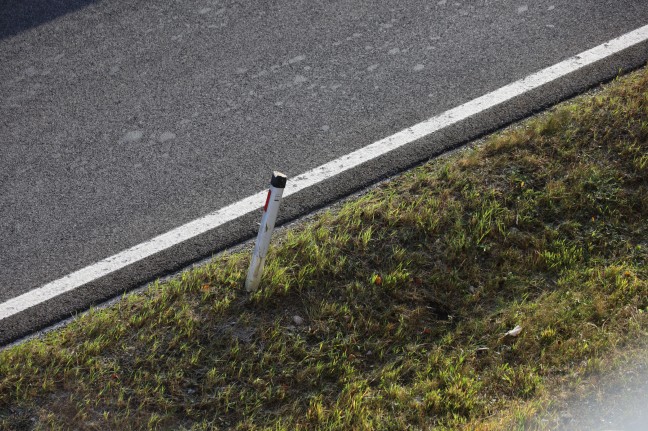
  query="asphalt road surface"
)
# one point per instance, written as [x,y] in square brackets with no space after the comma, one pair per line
[122,119]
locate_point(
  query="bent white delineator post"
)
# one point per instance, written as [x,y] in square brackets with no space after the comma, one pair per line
[270,212]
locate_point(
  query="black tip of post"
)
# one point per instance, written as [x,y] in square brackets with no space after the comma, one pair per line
[278,180]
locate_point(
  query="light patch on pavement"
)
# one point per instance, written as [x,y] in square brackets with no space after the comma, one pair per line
[297,59]
[167,136]
[300,79]
[132,136]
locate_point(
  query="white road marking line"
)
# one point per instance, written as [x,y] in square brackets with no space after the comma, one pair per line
[314,176]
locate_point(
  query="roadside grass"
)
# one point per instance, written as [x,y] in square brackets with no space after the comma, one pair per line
[403,299]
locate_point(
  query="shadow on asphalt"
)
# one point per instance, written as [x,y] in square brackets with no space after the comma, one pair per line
[17,16]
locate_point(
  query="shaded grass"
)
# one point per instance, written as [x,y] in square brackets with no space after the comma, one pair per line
[406,295]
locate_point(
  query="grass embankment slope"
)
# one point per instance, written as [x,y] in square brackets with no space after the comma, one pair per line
[403,296]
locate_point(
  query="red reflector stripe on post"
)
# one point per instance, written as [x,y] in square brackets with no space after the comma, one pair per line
[265,207]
